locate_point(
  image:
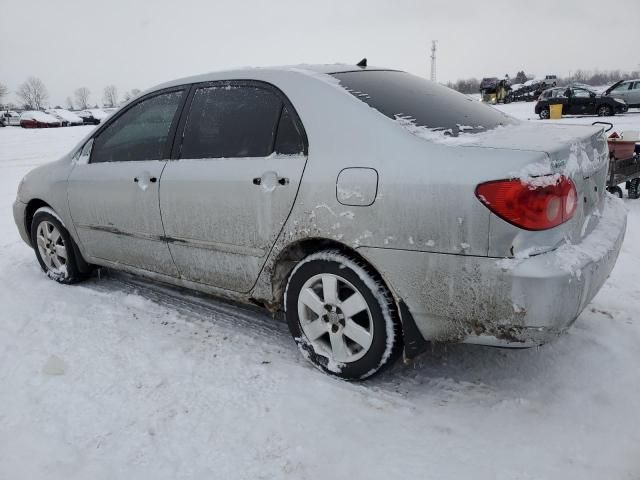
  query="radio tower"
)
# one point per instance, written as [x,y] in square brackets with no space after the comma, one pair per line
[433,60]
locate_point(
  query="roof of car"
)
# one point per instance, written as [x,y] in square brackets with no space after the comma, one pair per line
[249,72]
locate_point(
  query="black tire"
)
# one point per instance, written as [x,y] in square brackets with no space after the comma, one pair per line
[545,114]
[634,188]
[604,111]
[617,191]
[386,339]
[71,273]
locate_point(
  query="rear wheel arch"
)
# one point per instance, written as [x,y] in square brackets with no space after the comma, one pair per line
[296,251]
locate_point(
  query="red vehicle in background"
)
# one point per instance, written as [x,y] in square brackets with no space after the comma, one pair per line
[36,119]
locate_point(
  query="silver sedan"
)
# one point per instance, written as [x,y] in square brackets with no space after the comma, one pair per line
[378,210]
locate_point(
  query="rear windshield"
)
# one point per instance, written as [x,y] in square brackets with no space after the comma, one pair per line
[400,95]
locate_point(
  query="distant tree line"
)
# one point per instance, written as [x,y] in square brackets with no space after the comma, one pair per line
[588,77]
[33,95]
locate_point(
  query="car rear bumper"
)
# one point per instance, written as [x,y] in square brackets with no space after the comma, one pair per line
[518,302]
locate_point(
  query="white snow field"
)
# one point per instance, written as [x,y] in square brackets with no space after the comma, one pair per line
[119,378]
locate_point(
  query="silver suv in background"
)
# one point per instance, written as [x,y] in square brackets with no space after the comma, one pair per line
[627,90]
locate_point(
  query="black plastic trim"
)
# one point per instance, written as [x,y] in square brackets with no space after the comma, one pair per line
[414,342]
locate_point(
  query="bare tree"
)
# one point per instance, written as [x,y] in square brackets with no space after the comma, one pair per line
[129,95]
[33,93]
[82,97]
[110,96]
[4,90]
[69,103]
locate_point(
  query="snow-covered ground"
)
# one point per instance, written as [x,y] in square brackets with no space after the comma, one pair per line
[118,378]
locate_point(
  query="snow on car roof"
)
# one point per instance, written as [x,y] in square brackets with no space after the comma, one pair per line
[36,115]
[65,114]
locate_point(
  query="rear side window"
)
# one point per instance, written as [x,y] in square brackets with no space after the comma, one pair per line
[231,121]
[426,104]
[140,133]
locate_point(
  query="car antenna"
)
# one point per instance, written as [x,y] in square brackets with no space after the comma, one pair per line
[362,63]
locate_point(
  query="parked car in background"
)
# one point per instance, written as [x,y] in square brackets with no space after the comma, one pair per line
[65,116]
[274,186]
[627,90]
[9,118]
[92,116]
[549,81]
[37,119]
[578,101]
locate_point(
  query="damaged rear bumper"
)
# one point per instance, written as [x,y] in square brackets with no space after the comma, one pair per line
[518,302]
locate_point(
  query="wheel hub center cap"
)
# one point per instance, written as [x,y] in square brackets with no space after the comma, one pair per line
[334,318]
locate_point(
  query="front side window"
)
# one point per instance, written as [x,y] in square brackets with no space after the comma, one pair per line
[400,95]
[231,121]
[140,133]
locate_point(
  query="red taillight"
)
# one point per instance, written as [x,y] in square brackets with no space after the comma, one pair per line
[530,206]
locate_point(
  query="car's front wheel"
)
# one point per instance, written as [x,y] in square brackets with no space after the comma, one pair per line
[544,114]
[54,248]
[342,317]
[605,111]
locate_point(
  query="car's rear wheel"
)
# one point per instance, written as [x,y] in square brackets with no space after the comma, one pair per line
[605,111]
[54,247]
[342,317]
[544,114]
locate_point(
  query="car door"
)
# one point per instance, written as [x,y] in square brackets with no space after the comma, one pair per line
[556,97]
[113,189]
[226,196]
[582,103]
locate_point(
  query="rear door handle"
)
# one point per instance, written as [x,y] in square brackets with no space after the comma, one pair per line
[269,180]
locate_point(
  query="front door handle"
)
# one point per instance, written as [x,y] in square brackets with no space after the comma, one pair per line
[151,179]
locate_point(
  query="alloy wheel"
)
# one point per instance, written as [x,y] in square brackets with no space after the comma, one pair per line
[51,247]
[335,318]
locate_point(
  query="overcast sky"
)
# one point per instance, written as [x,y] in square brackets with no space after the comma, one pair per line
[136,44]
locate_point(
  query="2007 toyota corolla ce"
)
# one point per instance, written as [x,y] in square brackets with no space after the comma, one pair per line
[378,210]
